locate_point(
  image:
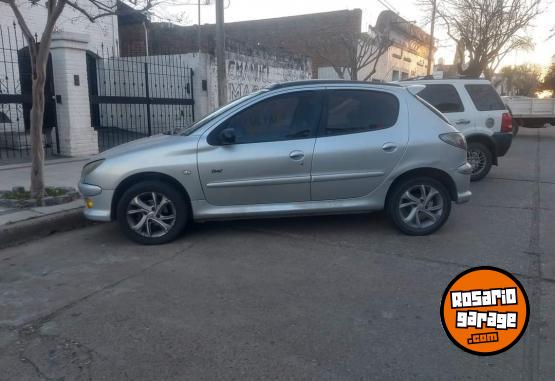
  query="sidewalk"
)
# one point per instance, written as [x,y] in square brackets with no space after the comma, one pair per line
[61,172]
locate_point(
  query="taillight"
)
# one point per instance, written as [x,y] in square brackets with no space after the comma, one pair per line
[506,122]
[456,139]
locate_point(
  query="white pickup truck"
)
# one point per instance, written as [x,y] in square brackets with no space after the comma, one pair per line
[530,112]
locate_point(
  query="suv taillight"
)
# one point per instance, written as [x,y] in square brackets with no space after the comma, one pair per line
[506,122]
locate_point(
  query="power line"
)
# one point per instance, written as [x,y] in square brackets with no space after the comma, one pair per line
[392,7]
[386,4]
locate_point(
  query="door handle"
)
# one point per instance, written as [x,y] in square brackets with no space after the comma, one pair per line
[296,155]
[389,147]
[462,121]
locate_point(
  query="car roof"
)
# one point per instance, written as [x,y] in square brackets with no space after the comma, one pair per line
[325,82]
[428,80]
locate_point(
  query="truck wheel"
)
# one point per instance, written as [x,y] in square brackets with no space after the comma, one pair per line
[481,158]
[516,127]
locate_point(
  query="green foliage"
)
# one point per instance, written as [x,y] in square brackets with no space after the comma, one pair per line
[548,82]
[22,194]
[523,80]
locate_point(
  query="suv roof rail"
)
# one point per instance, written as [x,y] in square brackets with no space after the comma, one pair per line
[326,82]
[431,77]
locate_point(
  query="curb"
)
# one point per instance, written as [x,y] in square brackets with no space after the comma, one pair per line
[36,228]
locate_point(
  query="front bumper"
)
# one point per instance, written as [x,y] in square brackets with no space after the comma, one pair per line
[502,142]
[101,201]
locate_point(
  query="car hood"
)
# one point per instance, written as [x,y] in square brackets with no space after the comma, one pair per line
[151,142]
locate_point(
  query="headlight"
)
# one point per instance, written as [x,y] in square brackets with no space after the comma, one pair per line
[455,139]
[89,167]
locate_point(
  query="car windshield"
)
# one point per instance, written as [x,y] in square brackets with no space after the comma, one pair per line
[194,127]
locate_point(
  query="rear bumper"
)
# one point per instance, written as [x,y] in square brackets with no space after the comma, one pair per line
[502,142]
[461,177]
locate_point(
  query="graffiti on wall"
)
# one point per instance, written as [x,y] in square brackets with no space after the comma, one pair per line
[248,74]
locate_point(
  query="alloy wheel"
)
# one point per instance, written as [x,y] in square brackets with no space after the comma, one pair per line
[151,214]
[421,206]
[477,160]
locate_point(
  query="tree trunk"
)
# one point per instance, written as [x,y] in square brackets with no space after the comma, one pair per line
[37,117]
[474,69]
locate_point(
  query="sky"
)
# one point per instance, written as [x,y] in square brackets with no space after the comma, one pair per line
[240,10]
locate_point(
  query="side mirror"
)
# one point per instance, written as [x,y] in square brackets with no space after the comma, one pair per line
[227,136]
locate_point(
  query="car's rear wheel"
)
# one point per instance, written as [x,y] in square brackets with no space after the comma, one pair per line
[480,158]
[152,212]
[516,127]
[419,206]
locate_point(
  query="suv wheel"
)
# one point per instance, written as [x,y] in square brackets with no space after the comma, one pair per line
[481,158]
[152,212]
[516,127]
[419,206]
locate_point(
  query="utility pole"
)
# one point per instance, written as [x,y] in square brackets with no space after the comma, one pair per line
[199,31]
[220,53]
[431,47]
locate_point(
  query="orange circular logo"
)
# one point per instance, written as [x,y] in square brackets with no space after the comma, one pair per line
[485,310]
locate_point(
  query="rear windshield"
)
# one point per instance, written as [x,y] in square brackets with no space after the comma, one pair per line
[484,97]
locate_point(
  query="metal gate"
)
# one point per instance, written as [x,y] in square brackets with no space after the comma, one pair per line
[135,97]
[15,99]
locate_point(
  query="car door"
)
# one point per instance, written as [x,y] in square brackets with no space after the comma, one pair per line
[447,99]
[362,137]
[271,157]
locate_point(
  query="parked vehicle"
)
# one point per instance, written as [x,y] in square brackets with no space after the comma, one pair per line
[300,148]
[474,108]
[530,112]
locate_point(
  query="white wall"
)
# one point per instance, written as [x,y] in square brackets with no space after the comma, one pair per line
[245,74]
[103,31]
[249,73]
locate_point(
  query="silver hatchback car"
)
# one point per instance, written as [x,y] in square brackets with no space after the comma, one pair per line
[299,148]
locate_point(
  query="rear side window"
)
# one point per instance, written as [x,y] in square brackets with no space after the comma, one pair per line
[484,97]
[432,109]
[352,111]
[443,97]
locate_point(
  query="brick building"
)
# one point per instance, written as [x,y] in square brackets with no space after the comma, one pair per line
[317,36]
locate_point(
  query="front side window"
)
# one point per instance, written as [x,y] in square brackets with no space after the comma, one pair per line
[352,111]
[484,97]
[283,117]
[443,97]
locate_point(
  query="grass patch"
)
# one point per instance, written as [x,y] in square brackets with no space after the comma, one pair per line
[22,194]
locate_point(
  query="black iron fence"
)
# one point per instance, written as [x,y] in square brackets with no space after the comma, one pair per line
[15,99]
[135,97]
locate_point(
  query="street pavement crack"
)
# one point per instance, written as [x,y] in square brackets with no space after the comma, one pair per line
[29,331]
[43,319]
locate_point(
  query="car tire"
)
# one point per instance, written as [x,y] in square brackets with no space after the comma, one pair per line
[516,127]
[152,213]
[481,159]
[419,206]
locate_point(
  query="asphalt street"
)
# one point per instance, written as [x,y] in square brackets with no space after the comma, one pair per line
[323,298]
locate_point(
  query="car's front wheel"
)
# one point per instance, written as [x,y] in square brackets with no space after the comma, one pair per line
[152,212]
[480,158]
[419,206]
